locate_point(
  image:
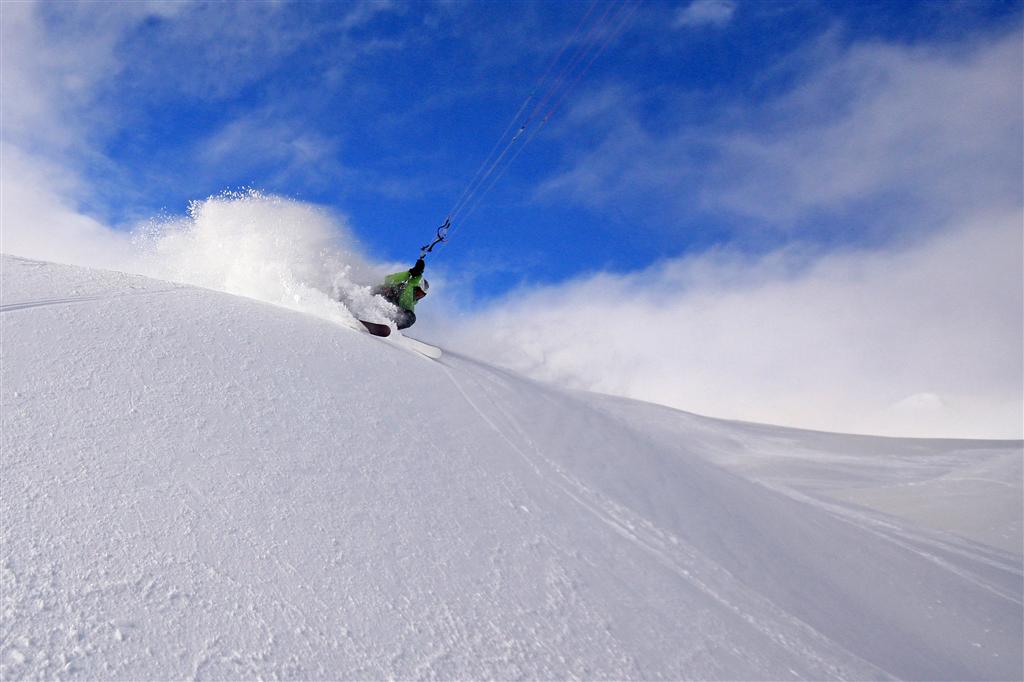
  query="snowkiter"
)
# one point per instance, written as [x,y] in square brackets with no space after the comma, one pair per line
[404,289]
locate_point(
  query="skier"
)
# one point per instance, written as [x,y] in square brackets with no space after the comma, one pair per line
[404,289]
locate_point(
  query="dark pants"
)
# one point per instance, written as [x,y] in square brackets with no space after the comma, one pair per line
[404,318]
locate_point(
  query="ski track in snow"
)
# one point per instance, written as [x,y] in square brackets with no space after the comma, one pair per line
[10,307]
[684,561]
[203,486]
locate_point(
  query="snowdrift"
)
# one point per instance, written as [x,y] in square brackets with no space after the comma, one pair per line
[201,485]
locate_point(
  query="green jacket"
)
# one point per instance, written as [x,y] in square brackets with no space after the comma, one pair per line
[399,289]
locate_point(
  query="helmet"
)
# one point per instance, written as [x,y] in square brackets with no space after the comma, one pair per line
[421,288]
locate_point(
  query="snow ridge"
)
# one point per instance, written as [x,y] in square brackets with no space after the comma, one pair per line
[201,485]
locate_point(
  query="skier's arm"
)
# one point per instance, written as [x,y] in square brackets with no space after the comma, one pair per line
[417,269]
[413,272]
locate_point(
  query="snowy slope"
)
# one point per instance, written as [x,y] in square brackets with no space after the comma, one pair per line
[206,486]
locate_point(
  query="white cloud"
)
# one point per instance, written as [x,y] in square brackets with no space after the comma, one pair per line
[58,108]
[884,132]
[53,58]
[835,342]
[705,13]
[929,130]
[37,220]
[57,61]
[47,74]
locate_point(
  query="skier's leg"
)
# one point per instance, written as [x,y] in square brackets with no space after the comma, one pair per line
[405,318]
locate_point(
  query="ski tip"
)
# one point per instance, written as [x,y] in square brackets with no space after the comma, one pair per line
[432,352]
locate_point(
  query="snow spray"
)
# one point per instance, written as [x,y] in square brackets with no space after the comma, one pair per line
[265,247]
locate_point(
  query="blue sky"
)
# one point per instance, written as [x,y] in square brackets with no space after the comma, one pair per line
[800,212]
[385,110]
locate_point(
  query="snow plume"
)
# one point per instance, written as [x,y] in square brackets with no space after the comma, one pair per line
[281,251]
[264,247]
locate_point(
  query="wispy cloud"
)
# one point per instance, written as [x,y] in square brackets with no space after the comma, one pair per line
[78,75]
[264,141]
[937,131]
[705,13]
[867,129]
[54,58]
[364,11]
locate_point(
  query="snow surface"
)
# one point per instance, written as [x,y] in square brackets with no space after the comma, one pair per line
[200,485]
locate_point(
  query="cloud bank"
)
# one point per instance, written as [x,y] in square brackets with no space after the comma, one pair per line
[924,340]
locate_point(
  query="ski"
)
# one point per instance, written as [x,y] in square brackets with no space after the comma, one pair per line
[399,339]
[376,328]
